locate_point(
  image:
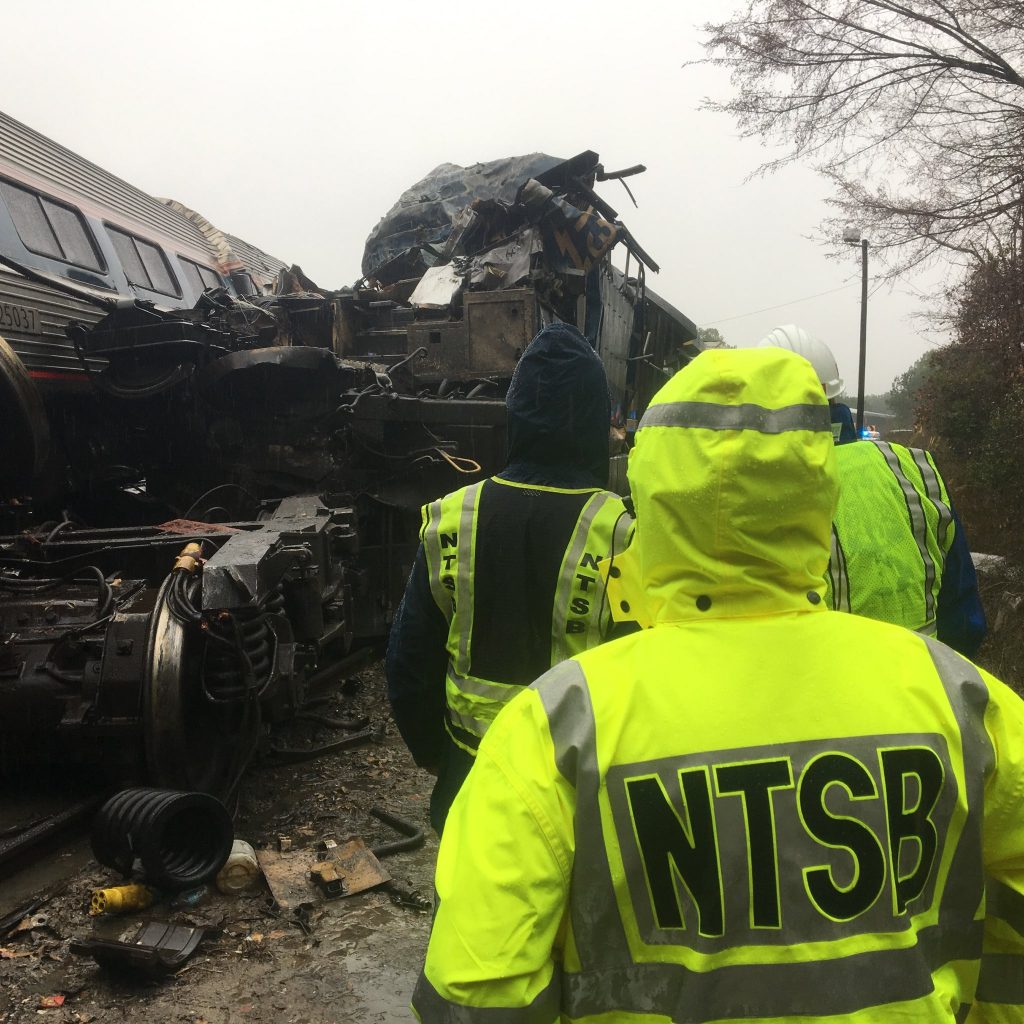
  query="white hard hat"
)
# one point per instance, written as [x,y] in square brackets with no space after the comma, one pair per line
[813,349]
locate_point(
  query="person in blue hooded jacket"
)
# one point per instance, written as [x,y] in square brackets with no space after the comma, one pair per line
[505,583]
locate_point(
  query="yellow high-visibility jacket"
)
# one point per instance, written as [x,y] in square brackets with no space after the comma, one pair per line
[756,809]
[586,524]
[892,531]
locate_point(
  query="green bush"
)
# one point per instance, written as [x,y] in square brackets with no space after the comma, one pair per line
[970,405]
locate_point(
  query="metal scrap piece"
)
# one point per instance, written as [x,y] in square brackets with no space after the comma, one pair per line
[288,874]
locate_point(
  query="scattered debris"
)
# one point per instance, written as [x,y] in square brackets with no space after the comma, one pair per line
[180,840]
[6,953]
[156,950]
[190,898]
[51,1002]
[279,754]
[120,899]
[293,970]
[326,877]
[413,833]
[408,898]
[290,875]
[30,923]
[14,919]
[241,870]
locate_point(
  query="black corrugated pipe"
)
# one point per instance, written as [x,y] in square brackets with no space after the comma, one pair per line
[181,839]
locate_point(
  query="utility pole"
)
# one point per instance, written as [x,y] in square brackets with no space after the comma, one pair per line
[851,235]
[863,334]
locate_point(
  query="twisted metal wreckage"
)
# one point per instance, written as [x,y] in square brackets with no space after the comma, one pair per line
[160,641]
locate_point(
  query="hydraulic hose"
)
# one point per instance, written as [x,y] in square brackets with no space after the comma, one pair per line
[413,833]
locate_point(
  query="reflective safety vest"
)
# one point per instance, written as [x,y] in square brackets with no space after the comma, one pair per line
[499,640]
[708,822]
[892,531]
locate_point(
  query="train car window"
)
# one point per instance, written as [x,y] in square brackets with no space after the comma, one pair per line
[192,274]
[49,228]
[30,221]
[159,272]
[144,264]
[199,277]
[71,234]
[210,278]
[130,259]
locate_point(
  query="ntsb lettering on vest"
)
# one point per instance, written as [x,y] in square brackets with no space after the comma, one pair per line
[784,844]
[587,590]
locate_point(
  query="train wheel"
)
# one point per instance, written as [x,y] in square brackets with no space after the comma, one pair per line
[191,742]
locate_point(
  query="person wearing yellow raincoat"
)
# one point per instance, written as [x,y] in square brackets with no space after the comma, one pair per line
[755,808]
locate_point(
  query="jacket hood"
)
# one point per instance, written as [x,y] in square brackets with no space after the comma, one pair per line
[558,406]
[734,484]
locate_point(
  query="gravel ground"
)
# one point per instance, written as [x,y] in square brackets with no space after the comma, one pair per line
[353,959]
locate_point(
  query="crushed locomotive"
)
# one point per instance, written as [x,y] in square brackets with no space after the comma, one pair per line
[210,504]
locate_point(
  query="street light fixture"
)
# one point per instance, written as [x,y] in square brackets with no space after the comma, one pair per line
[851,235]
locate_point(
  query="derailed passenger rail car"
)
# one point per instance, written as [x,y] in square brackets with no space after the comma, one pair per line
[198,423]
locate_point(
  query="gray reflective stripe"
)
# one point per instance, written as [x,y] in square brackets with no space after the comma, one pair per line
[968,697]
[918,524]
[500,692]
[430,1006]
[432,550]
[933,488]
[928,629]
[601,936]
[494,692]
[464,576]
[1001,979]
[712,416]
[470,725]
[815,988]
[1005,903]
[567,577]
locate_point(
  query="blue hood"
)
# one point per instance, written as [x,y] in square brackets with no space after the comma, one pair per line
[558,408]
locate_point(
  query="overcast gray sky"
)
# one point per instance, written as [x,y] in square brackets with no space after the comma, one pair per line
[296,127]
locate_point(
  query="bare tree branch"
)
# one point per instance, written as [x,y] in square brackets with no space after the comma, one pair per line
[914,110]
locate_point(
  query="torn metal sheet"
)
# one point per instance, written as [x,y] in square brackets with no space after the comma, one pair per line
[288,873]
[424,212]
[438,288]
[506,265]
[573,238]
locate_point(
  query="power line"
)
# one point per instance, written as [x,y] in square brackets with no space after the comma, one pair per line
[768,309]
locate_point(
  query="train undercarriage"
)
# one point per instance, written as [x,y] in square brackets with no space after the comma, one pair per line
[223,510]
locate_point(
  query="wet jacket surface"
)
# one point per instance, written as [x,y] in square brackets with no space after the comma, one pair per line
[756,808]
[899,553]
[558,416]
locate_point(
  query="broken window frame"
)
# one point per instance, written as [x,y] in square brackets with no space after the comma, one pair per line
[200,272]
[136,241]
[62,242]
